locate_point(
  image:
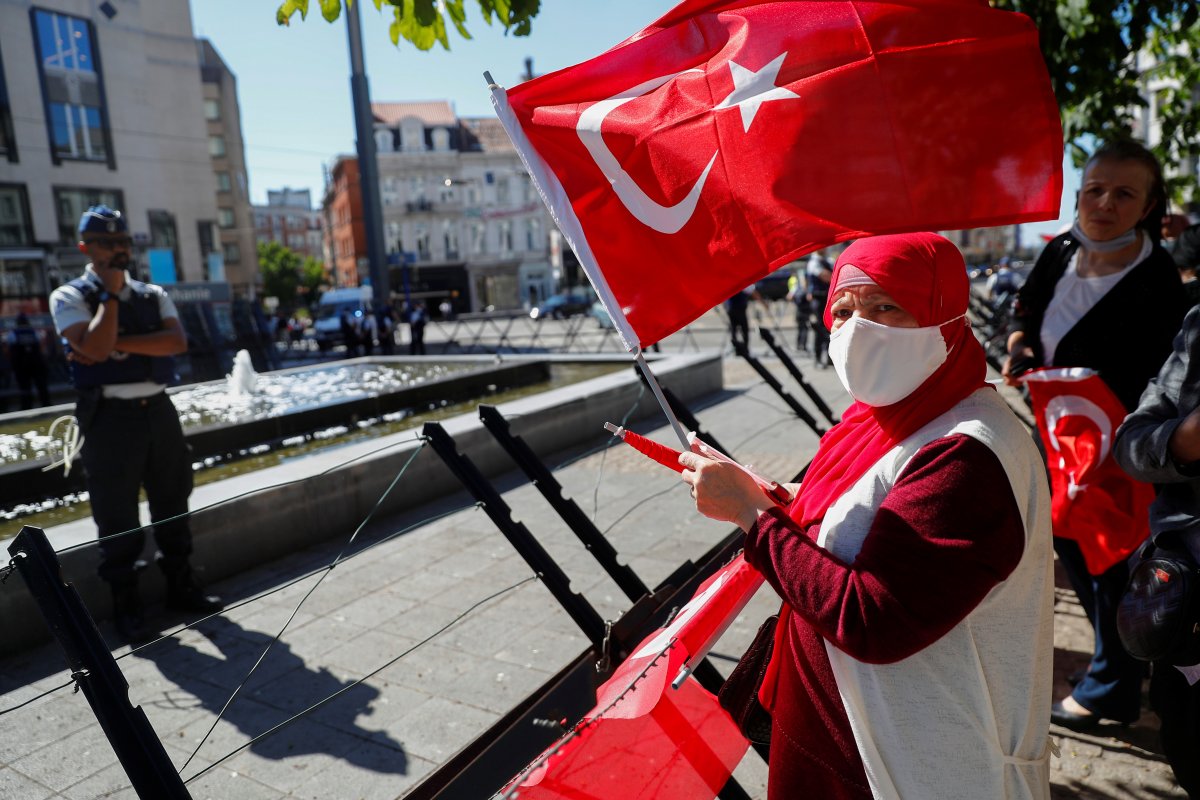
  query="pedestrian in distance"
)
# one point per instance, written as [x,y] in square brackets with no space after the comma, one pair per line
[818,272]
[122,337]
[25,352]
[738,307]
[797,295]
[912,656]
[368,332]
[416,329]
[1160,443]
[387,330]
[1105,296]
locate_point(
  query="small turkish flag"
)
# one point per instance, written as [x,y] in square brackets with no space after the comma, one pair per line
[645,740]
[1094,501]
[729,138]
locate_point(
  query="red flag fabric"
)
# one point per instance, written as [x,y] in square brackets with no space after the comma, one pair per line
[729,138]
[645,740]
[1094,501]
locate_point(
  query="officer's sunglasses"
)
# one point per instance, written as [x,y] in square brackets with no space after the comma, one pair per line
[111,243]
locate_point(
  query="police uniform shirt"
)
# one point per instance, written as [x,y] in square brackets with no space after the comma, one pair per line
[68,307]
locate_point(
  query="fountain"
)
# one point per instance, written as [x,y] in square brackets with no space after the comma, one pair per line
[249,412]
[243,380]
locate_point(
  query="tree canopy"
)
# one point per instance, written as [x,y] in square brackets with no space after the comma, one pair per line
[289,277]
[427,22]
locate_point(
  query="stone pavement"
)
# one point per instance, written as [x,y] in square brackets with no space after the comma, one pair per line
[436,691]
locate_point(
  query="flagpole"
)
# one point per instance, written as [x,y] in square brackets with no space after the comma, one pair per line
[555,198]
[662,400]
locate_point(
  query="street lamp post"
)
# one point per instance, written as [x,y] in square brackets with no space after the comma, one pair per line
[368,169]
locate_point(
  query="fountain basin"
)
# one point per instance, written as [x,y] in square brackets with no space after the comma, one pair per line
[24,481]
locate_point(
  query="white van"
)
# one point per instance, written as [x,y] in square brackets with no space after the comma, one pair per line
[327,326]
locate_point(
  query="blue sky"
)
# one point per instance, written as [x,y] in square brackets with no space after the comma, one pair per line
[294,82]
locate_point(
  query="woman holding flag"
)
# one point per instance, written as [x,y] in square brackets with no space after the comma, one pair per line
[913,653]
[1105,296]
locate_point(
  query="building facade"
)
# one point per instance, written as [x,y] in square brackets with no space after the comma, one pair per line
[289,218]
[461,219]
[345,230]
[83,89]
[223,120]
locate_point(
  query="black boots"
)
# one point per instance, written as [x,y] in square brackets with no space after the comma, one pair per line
[184,594]
[128,617]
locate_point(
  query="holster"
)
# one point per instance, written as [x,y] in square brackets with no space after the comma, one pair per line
[86,406]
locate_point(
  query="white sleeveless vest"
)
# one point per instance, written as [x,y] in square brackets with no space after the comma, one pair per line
[968,716]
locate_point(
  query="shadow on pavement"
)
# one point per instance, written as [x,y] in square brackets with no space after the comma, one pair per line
[282,686]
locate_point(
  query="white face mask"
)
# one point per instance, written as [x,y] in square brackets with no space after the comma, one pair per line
[880,365]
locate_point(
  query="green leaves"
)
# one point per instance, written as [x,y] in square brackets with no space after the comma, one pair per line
[331,9]
[423,23]
[283,14]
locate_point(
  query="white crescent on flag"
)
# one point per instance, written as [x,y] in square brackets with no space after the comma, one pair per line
[664,219]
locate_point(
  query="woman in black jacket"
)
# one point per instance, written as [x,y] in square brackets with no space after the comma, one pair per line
[1106,296]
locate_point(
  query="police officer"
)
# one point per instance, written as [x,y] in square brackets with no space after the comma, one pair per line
[24,347]
[122,336]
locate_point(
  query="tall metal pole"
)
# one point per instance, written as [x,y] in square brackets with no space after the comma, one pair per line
[368,169]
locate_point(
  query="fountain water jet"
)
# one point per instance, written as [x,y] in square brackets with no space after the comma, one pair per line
[243,380]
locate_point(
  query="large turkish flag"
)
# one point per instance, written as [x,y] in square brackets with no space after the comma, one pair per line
[730,138]
[1094,501]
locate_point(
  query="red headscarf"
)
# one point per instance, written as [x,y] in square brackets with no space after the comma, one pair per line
[925,274]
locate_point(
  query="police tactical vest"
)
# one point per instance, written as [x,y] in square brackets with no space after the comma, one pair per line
[138,314]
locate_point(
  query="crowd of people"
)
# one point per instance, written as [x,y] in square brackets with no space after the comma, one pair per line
[913,652]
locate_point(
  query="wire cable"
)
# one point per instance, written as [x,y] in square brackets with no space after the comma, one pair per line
[280,485]
[337,560]
[368,676]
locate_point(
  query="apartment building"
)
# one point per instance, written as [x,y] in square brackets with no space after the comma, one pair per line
[84,87]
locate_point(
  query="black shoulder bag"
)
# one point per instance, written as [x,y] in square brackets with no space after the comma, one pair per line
[739,693]
[1158,618]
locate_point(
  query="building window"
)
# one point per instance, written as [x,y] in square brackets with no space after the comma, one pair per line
[533,235]
[477,233]
[212,109]
[162,230]
[70,203]
[8,141]
[224,184]
[225,217]
[506,236]
[441,139]
[502,196]
[216,146]
[233,253]
[15,230]
[72,91]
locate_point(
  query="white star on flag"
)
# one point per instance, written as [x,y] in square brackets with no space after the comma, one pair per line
[752,89]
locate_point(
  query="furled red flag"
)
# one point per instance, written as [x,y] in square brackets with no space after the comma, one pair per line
[1094,501]
[729,138]
[645,740]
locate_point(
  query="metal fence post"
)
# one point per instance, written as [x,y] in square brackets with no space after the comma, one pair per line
[95,671]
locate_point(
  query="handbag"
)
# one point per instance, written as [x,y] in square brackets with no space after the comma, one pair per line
[739,692]
[1158,618]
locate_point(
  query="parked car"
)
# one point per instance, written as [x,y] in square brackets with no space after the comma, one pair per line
[601,315]
[775,285]
[561,306]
